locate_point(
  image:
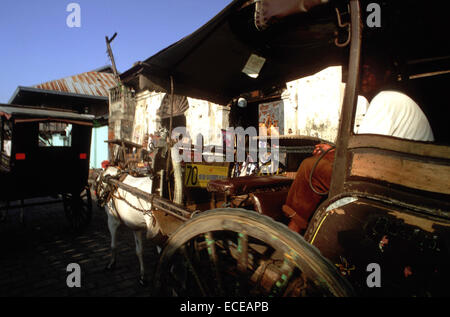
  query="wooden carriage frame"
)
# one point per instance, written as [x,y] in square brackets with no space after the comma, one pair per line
[403,183]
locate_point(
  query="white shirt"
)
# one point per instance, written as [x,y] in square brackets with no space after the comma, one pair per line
[394,113]
[361,109]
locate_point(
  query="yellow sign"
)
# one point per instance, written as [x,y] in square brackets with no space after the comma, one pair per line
[197,175]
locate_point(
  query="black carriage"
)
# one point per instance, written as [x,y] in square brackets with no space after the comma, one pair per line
[45,153]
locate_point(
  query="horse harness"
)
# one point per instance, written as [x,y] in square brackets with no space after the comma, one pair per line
[108,194]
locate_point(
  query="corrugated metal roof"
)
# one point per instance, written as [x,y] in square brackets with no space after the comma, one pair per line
[89,83]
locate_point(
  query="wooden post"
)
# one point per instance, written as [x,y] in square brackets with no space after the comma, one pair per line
[349,103]
[169,138]
[171,106]
[111,56]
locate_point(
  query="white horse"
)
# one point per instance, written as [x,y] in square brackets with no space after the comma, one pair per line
[125,208]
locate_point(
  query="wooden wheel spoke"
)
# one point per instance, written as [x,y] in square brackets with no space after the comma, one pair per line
[78,208]
[242,263]
[85,204]
[243,253]
[193,271]
[175,282]
[212,252]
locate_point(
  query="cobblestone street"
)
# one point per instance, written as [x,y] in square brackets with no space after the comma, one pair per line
[34,256]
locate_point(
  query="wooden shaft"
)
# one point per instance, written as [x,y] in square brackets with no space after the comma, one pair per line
[160,203]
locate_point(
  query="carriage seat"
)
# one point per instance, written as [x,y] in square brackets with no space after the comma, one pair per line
[245,184]
[270,203]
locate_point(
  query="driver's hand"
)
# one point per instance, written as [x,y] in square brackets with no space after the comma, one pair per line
[322,147]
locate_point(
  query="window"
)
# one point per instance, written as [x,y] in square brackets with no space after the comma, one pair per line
[5,134]
[55,134]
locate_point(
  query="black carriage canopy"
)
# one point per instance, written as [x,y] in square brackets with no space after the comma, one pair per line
[31,114]
[230,55]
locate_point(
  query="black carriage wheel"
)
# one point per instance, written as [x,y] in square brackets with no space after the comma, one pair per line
[236,252]
[78,208]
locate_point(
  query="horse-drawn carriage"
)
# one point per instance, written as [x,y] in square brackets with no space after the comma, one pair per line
[386,216]
[45,153]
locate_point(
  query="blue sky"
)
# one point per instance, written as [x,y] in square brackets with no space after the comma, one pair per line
[36,45]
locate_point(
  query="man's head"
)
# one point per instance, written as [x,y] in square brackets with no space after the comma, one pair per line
[375,73]
[368,80]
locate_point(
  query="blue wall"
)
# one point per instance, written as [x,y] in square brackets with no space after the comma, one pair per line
[99,148]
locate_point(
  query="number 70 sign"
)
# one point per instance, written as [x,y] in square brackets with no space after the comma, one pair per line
[198,175]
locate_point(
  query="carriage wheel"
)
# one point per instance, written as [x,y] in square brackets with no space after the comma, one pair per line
[236,252]
[78,208]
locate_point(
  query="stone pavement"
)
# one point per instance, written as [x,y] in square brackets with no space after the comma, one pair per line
[34,256]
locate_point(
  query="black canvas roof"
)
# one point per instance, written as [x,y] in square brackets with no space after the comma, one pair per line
[208,63]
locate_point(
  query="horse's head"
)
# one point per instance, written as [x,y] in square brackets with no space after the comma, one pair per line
[102,188]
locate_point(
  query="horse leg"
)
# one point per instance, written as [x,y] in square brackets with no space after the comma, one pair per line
[113,225]
[139,253]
